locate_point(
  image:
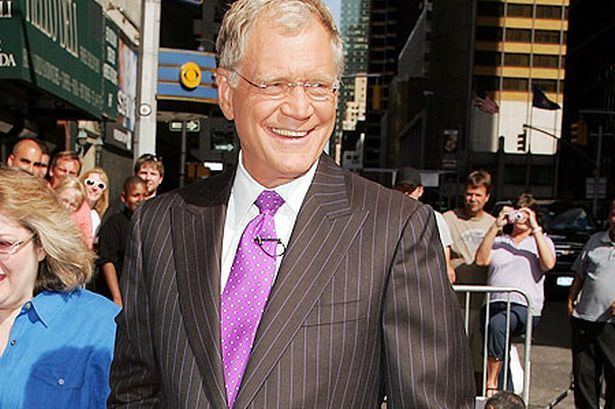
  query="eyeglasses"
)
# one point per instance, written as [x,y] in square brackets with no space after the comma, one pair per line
[315,90]
[7,248]
[150,157]
[92,182]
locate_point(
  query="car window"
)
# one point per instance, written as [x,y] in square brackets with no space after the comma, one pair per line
[571,219]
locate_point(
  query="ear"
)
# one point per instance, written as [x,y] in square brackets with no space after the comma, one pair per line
[10,159]
[225,93]
[40,254]
[123,197]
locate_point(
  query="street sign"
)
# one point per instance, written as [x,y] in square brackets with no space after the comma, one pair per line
[224,147]
[191,126]
[589,187]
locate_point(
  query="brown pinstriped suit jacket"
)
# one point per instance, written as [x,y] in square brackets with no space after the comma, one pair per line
[361,306]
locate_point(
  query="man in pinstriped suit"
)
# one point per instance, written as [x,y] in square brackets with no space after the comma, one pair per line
[360,306]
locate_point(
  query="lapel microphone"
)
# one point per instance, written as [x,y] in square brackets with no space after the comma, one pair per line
[260,240]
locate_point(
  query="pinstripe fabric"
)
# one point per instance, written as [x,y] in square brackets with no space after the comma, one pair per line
[361,306]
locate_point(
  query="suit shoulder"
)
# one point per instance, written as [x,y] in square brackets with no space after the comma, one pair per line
[369,195]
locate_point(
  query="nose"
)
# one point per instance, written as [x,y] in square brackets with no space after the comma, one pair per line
[298,104]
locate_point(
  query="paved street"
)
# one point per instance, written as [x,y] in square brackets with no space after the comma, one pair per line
[551,358]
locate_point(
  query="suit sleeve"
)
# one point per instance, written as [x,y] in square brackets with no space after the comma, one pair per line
[135,378]
[427,358]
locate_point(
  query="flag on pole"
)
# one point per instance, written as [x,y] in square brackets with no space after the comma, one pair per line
[541,101]
[485,103]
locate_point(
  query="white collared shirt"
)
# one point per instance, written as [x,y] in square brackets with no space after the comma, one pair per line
[241,210]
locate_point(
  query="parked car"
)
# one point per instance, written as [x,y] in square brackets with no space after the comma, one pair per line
[569,225]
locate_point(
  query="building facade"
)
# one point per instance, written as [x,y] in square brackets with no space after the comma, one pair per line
[485,60]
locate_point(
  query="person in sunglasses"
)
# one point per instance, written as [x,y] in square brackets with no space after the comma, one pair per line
[56,338]
[96,184]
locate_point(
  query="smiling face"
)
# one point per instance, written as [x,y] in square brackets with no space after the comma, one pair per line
[94,188]
[151,175]
[19,270]
[281,138]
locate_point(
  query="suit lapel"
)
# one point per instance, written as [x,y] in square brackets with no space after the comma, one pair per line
[197,229]
[323,232]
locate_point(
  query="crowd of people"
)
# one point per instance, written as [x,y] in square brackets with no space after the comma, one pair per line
[286,282]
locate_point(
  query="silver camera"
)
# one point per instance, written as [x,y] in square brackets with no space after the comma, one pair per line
[515,216]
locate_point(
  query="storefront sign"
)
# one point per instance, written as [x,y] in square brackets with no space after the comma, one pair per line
[56,45]
[120,87]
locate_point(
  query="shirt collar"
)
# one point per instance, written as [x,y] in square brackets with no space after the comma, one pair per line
[293,192]
[48,304]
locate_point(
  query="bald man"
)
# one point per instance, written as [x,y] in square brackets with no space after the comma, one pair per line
[25,154]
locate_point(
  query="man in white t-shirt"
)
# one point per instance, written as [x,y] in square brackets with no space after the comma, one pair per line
[410,184]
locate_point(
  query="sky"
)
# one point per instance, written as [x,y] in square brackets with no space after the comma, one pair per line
[334,5]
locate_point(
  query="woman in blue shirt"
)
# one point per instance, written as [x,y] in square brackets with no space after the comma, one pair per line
[56,339]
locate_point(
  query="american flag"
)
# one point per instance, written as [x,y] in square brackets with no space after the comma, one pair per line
[485,104]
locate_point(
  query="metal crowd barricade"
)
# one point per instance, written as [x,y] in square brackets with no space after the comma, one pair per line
[468,290]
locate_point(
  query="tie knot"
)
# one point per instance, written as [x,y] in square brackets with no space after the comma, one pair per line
[269,201]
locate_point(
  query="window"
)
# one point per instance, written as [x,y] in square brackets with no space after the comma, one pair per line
[517,60]
[519,10]
[515,84]
[546,61]
[546,36]
[549,12]
[546,85]
[519,35]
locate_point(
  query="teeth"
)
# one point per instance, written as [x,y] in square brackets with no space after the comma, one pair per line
[289,133]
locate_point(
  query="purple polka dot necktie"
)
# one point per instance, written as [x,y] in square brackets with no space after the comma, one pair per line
[245,294]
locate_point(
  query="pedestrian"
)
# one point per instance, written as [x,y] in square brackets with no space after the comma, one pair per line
[56,339]
[25,154]
[42,166]
[71,193]
[518,259]
[287,282]
[150,168]
[96,183]
[409,183]
[468,225]
[66,163]
[113,237]
[591,306]
[505,400]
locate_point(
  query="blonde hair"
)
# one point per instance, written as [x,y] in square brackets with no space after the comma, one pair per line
[28,200]
[103,203]
[71,182]
[292,15]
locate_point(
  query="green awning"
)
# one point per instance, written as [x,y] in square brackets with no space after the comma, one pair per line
[61,47]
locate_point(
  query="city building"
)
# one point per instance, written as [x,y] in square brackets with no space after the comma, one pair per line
[352,101]
[589,86]
[485,62]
